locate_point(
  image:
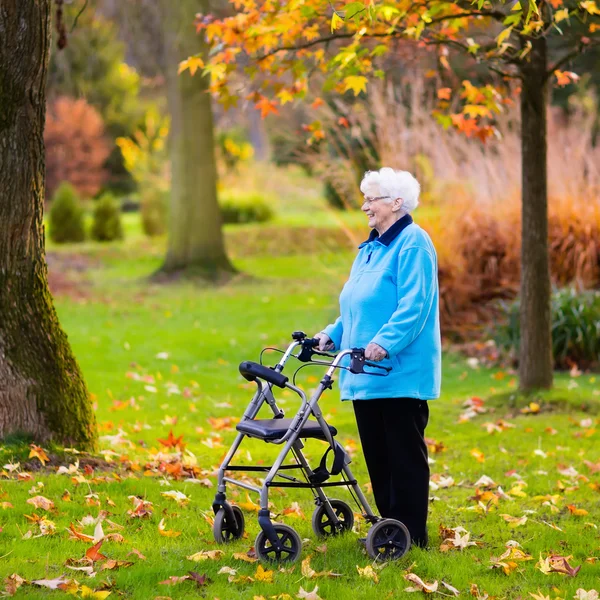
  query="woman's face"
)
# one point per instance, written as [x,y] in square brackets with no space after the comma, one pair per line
[380,211]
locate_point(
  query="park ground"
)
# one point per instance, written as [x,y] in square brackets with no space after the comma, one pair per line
[521,475]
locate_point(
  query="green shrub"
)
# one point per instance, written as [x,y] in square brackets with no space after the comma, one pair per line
[65,220]
[575,328]
[245,208]
[106,226]
[153,209]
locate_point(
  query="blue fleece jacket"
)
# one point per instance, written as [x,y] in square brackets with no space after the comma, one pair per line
[392,299]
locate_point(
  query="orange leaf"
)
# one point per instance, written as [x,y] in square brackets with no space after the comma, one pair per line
[37,452]
[266,106]
[172,441]
[93,553]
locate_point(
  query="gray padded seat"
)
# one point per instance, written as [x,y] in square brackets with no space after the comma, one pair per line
[273,429]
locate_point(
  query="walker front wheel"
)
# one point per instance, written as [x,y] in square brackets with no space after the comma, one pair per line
[290,545]
[324,526]
[388,539]
[225,531]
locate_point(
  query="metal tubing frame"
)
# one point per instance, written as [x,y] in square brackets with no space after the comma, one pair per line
[291,439]
[263,394]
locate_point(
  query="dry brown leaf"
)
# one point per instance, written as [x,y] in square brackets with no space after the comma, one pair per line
[206,555]
[173,580]
[451,588]
[13,583]
[112,564]
[41,502]
[420,585]
[245,557]
[514,521]
[302,593]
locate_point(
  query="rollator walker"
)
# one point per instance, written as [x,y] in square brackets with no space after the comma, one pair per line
[276,542]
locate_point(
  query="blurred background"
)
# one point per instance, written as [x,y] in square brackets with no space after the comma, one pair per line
[285,192]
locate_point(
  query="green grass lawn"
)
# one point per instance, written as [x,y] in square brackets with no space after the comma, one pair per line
[164,358]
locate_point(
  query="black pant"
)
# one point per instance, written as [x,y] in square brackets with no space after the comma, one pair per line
[392,434]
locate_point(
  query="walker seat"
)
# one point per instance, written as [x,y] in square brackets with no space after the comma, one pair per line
[274,429]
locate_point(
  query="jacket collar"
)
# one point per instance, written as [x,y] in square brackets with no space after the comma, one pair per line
[391,234]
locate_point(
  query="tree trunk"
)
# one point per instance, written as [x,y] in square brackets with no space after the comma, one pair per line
[535,356]
[195,235]
[42,392]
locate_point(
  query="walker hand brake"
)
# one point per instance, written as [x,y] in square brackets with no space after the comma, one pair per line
[358,362]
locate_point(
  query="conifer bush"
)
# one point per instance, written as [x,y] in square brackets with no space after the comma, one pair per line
[65,220]
[245,208]
[106,226]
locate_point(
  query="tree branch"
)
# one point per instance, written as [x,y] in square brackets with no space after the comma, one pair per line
[504,73]
[581,48]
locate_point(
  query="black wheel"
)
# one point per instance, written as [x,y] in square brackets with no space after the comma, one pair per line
[291,545]
[388,539]
[323,525]
[223,530]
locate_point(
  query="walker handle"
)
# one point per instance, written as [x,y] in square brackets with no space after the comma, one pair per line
[358,362]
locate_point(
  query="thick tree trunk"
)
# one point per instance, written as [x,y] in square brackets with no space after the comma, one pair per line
[195,235]
[42,392]
[535,356]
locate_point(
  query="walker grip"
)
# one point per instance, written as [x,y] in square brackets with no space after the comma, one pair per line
[358,362]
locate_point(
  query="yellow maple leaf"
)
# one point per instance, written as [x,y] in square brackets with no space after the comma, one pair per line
[356,83]
[193,63]
[262,575]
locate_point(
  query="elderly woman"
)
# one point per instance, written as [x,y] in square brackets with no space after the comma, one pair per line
[389,306]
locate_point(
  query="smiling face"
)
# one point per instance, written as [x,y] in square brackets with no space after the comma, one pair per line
[382,211]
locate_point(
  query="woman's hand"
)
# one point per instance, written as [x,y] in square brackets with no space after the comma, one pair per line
[325,343]
[375,352]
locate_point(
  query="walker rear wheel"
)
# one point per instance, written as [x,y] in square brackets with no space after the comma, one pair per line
[290,545]
[388,539]
[324,526]
[225,531]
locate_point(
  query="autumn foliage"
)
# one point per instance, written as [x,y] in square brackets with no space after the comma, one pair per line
[76,147]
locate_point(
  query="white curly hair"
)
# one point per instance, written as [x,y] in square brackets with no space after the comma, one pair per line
[392,183]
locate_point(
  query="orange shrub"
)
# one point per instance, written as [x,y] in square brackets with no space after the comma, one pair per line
[76,148]
[479,256]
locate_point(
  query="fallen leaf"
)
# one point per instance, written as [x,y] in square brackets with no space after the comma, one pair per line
[368,573]
[51,583]
[173,580]
[514,521]
[309,595]
[420,585]
[77,535]
[263,575]
[39,453]
[41,502]
[245,557]
[201,580]
[167,533]
[179,497]
[93,553]
[206,555]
